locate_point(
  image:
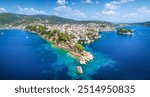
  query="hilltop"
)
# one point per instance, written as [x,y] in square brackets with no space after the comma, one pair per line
[142,24]
[17,19]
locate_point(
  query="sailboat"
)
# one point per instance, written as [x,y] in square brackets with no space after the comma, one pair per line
[2,33]
[27,37]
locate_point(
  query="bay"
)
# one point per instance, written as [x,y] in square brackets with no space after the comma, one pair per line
[26,56]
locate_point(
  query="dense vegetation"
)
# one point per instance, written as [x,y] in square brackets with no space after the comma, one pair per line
[55,36]
[124,31]
[79,47]
[64,37]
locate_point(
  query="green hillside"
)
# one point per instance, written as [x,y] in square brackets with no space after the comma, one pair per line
[17,19]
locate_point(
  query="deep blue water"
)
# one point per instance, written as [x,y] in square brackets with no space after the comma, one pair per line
[25,55]
[131,54]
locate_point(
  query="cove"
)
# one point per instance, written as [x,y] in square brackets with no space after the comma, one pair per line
[32,58]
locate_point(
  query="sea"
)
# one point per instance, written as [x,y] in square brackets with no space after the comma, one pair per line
[26,56]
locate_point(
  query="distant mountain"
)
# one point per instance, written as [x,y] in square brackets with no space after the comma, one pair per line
[142,24]
[17,19]
[6,18]
[10,18]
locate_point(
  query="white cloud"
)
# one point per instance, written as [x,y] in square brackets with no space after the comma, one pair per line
[62,2]
[79,13]
[56,13]
[69,11]
[121,1]
[108,17]
[2,10]
[97,13]
[110,12]
[144,10]
[63,8]
[116,4]
[111,6]
[87,1]
[30,11]
[131,15]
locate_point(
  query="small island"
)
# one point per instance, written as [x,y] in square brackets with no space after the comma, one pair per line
[124,31]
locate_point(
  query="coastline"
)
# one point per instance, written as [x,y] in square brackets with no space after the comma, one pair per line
[69,37]
[83,58]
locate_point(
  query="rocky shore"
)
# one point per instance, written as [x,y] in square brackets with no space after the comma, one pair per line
[84,57]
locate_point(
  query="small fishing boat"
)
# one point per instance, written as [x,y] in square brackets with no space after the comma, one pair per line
[79,68]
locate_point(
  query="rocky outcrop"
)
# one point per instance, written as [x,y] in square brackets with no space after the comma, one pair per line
[86,58]
[124,31]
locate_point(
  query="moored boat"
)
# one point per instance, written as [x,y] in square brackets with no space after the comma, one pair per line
[79,68]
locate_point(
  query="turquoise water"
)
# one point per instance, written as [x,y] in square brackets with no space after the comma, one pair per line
[25,55]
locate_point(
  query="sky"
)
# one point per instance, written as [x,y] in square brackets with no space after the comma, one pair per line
[116,11]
